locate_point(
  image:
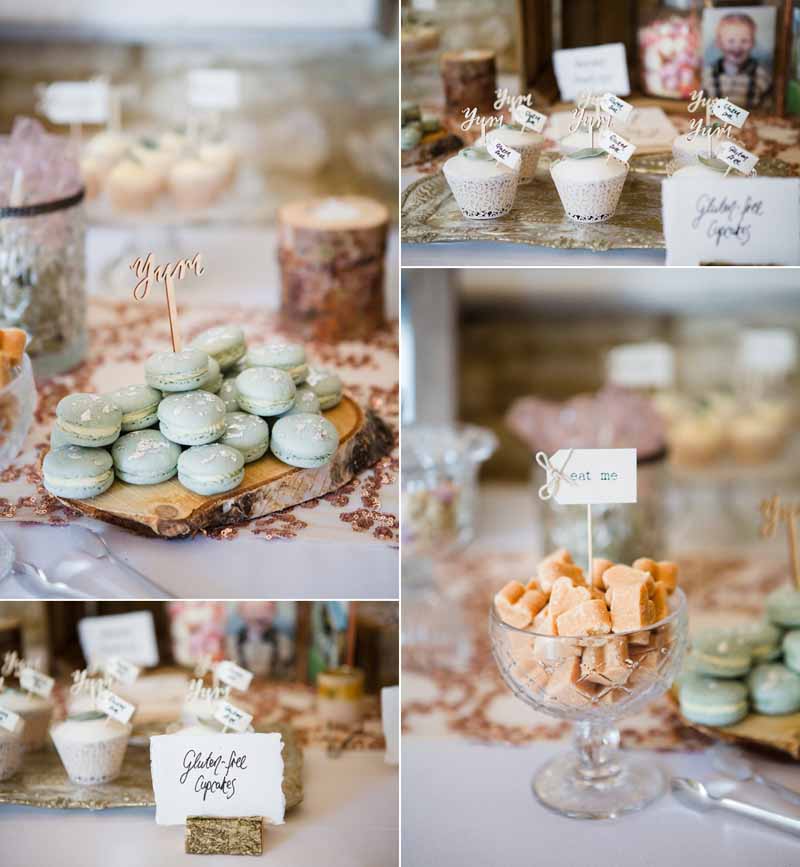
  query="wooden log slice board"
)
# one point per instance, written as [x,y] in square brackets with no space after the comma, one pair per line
[777,733]
[169,510]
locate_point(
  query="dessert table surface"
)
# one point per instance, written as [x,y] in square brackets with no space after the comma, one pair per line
[470,747]
[348,818]
[343,545]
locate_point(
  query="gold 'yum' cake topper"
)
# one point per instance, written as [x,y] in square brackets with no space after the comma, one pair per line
[706,127]
[775,512]
[149,273]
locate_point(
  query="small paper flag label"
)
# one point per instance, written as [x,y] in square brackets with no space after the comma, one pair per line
[504,154]
[232,717]
[590,476]
[115,707]
[10,721]
[36,682]
[215,89]
[65,102]
[616,107]
[529,118]
[120,669]
[737,157]
[616,145]
[233,675]
[726,111]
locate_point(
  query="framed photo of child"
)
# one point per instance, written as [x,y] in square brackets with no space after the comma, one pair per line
[739,53]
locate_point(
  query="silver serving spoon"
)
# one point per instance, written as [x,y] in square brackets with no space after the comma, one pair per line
[96,546]
[693,794]
[733,763]
[9,565]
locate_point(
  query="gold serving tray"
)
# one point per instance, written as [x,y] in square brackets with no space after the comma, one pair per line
[429,213]
[43,782]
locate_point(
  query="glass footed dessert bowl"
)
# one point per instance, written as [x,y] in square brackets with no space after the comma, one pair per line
[594,681]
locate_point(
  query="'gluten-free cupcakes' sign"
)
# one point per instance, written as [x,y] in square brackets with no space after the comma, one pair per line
[217,775]
[718,216]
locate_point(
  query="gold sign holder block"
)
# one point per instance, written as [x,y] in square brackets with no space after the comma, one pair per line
[211,835]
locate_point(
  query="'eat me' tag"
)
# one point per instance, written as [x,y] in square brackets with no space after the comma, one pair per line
[214,88]
[115,707]
[737,158]
[616,145]
[726,111]
[75,102]
[10,721]
[233,675]
[529,118]
[36,682]
[594,476]
[120,669]
[232,717]
[616,107]
[504,154]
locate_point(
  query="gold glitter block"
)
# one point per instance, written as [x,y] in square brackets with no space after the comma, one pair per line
[209,835]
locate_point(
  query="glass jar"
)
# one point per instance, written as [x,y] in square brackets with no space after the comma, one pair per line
[670,47]
[43,280]
[440,472]
[621,532]
[17,403]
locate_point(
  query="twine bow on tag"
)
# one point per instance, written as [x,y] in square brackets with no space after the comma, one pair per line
[555,475]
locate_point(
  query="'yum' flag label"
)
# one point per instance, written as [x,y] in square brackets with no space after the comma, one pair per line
[121,670]
[232,717]
[504,154]
[115,707]
[36,682]
[616,107]
[737,157]
[529,119]
[10,721]
[616,145]
[727,112]
[233,675]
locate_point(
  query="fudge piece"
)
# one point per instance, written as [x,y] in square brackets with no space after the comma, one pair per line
[667,572]
[549,573]
[587,618]
[566,595]
[620,575]
[645,564]
[505,600]
[606,663]
[599,566]
[631,607]
[659,600]
[565,685]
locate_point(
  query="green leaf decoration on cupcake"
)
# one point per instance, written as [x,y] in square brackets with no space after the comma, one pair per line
[86,716]
[476,154]
[714,163]
[587,154]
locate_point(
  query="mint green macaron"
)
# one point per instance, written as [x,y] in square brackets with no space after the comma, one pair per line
[721,653]
[247,433]
[712,702]
[304,401]
[139,405]
[211,469]
[225,343]
[229,395]
[290,357]
[90,420]
[791,650]
[304,440]
[763,639]
[176,371]
[783,607]
[265,391]
[774,689]
[145,457]
[326,385]
[212,382]
[77,472]
[191,419]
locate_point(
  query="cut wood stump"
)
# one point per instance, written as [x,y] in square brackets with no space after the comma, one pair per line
[169,510]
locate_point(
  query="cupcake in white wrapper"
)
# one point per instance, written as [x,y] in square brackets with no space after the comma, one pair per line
[589,184]
[527,143]
[91,747]
[685,151]
[483,188]
[36,713]
[12,753]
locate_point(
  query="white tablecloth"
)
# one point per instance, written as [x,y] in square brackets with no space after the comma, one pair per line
[348,818]
[465,804]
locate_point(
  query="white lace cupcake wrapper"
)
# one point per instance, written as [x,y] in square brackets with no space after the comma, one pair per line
[11,753]
[484,198]
[592,202]
[92,764]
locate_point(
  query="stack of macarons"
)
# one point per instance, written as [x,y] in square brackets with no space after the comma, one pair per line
[202,414]
[749,666]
